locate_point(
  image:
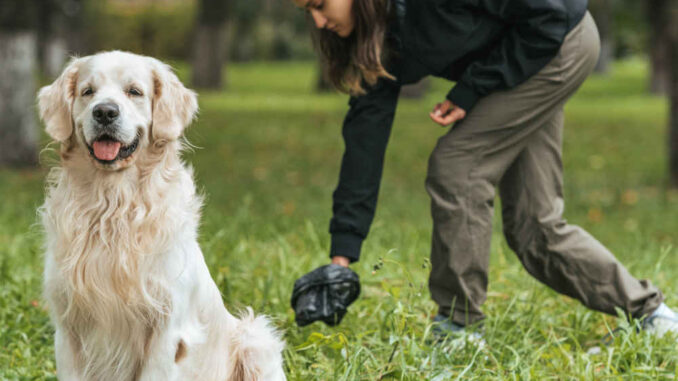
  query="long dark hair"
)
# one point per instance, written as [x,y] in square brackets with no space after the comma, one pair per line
[349,61]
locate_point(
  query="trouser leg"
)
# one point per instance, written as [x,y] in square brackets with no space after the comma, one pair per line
[468,162]
[462,208]
[562,256]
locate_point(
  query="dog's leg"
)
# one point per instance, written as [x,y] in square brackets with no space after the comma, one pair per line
[66,357]
[256,350]
[164,355]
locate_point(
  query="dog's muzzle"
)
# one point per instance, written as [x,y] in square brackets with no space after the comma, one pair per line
[106,113]
[106,149]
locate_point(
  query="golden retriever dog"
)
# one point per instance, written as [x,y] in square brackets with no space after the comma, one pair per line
[126,282]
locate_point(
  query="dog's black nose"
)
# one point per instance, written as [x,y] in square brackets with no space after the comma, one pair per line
[106,113]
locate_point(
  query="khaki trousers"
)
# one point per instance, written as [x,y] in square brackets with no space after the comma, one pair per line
[512,140]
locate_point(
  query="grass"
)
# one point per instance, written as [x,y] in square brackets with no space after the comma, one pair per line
[268,160]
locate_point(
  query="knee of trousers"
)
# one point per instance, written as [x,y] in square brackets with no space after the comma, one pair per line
[530,241]
[451,177]
[521,235]
[530,233]
[460,195]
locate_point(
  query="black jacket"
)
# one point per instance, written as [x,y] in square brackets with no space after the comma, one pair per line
[483,45]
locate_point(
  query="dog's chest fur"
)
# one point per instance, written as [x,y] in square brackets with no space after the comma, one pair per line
[105,279]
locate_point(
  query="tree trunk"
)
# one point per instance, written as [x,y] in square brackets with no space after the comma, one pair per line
[602,11]
[660,39]
[18,129]
[245,23]
[209,49]
[75,26]
[52,50]
[673,119]
[60,34]
[208,57]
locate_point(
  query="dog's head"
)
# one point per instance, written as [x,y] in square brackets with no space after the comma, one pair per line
[114,105]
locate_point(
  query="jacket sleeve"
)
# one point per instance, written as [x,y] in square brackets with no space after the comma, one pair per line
[535,31]
[366,131]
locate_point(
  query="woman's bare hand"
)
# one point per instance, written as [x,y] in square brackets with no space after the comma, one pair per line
[339,260]
[446,113]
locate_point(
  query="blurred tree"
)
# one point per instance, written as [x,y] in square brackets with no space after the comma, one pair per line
[603,13]
[659,20]
[210,41]
[673,124]
[281,15]
[59,32]
[52,49]
[76,26]
[162,29]
[18,128]
[247,13]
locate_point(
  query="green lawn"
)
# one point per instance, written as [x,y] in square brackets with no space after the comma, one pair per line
[267,158]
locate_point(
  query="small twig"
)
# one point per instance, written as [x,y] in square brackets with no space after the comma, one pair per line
[390,358]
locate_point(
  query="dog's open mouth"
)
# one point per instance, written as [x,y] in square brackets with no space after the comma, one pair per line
[107,149]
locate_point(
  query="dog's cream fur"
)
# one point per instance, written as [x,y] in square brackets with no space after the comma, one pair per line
[127,286]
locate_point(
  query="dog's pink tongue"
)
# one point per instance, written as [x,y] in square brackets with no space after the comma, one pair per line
[106,149]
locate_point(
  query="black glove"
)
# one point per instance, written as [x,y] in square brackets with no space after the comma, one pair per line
[324,294]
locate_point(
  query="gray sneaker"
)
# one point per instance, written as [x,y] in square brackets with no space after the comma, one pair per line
[662,321]
[445,331]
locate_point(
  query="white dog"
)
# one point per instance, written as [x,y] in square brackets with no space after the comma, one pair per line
[127,286]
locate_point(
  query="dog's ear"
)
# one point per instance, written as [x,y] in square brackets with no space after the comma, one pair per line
[56,101]
[174,106]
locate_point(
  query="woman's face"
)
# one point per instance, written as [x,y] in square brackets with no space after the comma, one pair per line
[333,15]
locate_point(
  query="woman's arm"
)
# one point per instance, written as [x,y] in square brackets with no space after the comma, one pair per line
[366,130]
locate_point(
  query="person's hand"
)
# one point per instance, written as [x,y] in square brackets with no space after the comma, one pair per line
[339,260]
[446,113]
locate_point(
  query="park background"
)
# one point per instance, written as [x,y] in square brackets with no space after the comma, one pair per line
[266,150]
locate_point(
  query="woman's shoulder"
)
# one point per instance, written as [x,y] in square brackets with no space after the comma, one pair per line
[427,8]
[436,3]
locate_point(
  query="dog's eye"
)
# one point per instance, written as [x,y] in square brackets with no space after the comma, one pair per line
[87,91]
[134,92]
